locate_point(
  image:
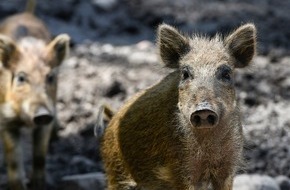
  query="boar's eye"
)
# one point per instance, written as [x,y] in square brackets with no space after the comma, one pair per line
[50,78]
[21,78]
[185,74]
[225,73]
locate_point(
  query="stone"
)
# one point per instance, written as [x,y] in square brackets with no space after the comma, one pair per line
[255,182]
[283,182]
[84,181]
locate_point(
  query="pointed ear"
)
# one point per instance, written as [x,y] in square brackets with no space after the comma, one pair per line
[8,51]
[58,49]
[242,45]
[172,45]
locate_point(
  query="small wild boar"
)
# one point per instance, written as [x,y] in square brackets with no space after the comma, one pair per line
[29,62]
[184,132]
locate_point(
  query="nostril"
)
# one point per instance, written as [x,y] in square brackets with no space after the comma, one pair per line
[211,119]
[196,120]
[42,119]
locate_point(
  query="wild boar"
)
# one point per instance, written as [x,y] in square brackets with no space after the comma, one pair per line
[29,62]
[184,132]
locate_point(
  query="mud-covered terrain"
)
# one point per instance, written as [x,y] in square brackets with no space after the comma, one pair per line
[114,56]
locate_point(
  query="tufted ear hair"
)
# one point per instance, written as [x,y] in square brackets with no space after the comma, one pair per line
[8,52]
[58,49]
[172,45]
[242,45]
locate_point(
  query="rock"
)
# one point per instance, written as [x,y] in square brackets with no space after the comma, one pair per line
[84,182]
[255,182]
[81,160]
[283,182]
[106,5]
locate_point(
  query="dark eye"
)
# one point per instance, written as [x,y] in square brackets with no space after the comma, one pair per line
[21,78]
[50,78]
[225,73]
[185,74]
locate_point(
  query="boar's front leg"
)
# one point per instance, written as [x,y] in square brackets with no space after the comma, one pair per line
[41,136]
[13,157]
[223,184]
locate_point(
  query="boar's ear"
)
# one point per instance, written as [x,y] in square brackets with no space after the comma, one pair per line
[58,49]
[242,44]
[172,45]
[8,51]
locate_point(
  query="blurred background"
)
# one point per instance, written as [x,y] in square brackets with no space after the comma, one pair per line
[114,56]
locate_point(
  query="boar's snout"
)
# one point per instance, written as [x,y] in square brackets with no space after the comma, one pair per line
[204,116]
[42,116]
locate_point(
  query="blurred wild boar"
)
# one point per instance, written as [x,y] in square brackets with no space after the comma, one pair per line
[29,62]
[184,132]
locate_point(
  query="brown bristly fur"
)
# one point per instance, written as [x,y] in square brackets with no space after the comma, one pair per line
[155,142]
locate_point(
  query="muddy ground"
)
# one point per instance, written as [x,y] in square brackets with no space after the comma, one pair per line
[114,56]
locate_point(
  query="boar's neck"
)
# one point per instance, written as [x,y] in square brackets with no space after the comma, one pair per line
[151,115]
[156,105]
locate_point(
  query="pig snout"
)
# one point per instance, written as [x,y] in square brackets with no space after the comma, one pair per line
[42,116]
[204,116]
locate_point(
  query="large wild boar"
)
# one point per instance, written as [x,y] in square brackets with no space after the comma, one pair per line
[184,132]
[29,62]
